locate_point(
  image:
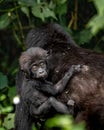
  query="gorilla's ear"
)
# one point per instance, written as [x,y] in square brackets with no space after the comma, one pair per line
[24,64]
[23,61]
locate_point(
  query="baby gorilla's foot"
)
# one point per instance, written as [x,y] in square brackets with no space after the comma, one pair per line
[71,105]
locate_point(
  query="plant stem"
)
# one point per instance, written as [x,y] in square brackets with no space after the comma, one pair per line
[19,22]
[75,15]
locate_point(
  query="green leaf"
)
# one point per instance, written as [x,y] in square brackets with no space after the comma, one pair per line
[9,121]
[4,20]
[27,2]
[42,12]
[64,122]
[61,1]
[100,6]
[2,128]
[80,126]
[96,23]
[61,9]
[11,93]
[25,10]
[48,13]
[59,121]
[2,97]
[84,36]
[7,109]
[33,127]
[3,81]
[37,12]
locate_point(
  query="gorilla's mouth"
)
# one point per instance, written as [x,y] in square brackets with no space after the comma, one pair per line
[42,76]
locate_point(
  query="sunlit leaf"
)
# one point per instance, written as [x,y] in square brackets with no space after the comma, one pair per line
[1,128]
[64,122]
[6,109]
[9,121]
[37,12]
[59,121]
[96,23]
[2,97]
[99,6]
[48,13]
[42,12]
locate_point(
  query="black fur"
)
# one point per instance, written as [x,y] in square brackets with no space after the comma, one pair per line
[37,94]
[86,88]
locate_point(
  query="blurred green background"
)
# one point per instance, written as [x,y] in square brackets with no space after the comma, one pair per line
[83,19]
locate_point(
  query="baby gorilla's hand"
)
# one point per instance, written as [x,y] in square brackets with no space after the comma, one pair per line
[74,69]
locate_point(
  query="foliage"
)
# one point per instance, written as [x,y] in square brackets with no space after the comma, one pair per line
[64,123]
[85,23]
[3,81]
[9,121]
[97,21]
[6,118]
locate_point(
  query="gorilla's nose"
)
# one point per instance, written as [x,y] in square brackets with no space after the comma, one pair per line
[41,71]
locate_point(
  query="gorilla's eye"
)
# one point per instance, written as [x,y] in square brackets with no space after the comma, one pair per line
[34,67]
[42,64]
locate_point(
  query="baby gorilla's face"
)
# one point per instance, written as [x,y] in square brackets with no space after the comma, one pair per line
[39,70]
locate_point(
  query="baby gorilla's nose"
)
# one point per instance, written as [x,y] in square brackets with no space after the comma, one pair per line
[41,71]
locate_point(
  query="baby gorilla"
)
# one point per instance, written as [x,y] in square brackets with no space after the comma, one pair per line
[36,90]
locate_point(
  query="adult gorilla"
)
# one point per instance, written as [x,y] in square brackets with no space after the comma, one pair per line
[86,88]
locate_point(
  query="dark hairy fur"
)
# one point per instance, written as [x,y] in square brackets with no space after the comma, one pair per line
[37,95]
[86,88]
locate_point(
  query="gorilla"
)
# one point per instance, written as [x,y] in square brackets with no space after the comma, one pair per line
[86,88]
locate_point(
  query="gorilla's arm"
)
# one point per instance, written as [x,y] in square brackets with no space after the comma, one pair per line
[23,120]
[49,88]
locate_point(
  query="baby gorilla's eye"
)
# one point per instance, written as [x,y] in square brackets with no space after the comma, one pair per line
[42,64]
[34,67]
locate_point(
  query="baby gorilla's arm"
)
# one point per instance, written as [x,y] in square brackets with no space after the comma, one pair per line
[57,88]
[48,87]
[60,86]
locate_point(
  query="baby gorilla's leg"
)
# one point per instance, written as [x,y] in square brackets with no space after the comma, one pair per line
[41,110]
[47,105]
[58,106]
